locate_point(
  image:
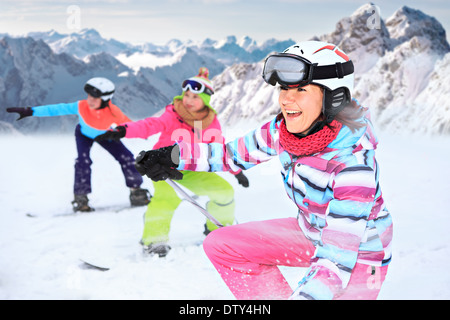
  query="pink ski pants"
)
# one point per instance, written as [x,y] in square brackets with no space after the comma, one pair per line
[247,255]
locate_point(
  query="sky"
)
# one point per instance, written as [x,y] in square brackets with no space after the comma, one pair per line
[140,21]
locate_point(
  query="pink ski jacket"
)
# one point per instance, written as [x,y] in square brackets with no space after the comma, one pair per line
[174,129]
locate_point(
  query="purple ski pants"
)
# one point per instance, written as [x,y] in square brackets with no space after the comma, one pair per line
[83,163]
[247,255]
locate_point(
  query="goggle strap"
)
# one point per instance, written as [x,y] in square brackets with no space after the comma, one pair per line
[96,91]
[337,70]
[107,93]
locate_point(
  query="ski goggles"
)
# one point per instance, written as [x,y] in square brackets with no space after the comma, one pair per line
[196,87]
[294,71]
[96,93]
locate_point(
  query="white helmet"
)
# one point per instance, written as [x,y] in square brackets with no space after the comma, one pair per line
[314,62]
[324,54]
[100,88]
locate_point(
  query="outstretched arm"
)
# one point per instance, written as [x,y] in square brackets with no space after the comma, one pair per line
[50,110]
[243,153]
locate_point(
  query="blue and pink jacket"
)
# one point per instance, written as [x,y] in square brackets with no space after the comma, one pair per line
[93,122]
[340,205]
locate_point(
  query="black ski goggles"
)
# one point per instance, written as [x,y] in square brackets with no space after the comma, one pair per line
[293,71]
[94,92]
[196,87]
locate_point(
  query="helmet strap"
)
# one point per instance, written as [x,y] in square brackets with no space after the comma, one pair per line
[338,70]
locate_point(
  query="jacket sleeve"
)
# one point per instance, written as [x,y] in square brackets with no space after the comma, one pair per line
[220,138]
[51,110]
[243,153]
[148,126]
[336,254]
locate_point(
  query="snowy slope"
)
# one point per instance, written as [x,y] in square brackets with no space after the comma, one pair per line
[39,257]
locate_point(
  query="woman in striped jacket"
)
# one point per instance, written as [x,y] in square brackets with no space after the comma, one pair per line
[326,146]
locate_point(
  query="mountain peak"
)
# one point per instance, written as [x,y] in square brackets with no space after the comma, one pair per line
[227,41]
[231,39]
[407,23]
[47,36]
[89,32]
[247,43]
[362,31]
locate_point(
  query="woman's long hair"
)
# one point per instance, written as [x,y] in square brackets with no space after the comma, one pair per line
[352,116]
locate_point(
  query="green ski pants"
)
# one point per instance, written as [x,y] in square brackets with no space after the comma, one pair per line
[165,201]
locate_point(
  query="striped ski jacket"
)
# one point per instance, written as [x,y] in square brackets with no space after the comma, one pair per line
[337,192]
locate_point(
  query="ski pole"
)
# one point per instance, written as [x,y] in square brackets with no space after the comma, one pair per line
[195,203]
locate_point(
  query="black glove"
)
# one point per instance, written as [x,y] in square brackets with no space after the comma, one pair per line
[242,179]
[23,112]
[114,134]
[159,164]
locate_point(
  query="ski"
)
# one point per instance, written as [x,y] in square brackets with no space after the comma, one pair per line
[113,209]
[88,265]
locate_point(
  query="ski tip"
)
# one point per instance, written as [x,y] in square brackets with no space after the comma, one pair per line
[88,265]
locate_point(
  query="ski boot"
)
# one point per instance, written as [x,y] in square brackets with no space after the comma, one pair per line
[159,248]
[80,203]
[206,231]
[139,197]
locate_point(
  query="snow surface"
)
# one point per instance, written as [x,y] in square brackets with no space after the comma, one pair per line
[40,256]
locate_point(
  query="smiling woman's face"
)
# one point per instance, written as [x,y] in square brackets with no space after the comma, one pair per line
[301,107]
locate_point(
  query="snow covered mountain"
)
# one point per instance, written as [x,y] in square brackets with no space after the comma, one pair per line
[408,88]
[48,67]
[32,74]
[89,41]
[400,71]
[80,44]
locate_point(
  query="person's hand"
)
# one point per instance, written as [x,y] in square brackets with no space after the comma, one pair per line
[159,164]
[113,134]
[23,112]
[242,179]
